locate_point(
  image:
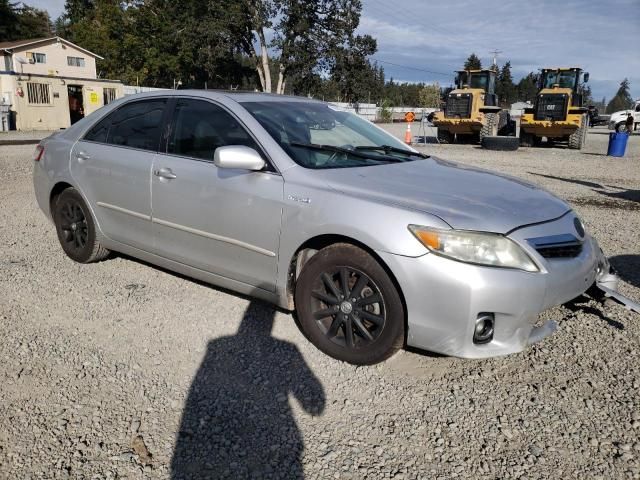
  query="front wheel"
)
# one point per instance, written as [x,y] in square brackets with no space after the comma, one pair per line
[349,307]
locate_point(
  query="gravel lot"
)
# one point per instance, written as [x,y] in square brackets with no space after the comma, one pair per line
[122,370]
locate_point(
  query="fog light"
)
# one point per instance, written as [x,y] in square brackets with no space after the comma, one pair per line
[483,331]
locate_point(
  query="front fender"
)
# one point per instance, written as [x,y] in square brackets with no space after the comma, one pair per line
[310,212]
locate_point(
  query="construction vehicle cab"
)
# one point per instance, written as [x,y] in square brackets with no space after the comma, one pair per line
[558,112]
[470,108]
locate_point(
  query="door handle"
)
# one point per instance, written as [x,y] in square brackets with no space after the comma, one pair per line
[82,156]
[165,173]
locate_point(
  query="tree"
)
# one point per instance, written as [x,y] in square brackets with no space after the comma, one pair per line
[505,88]
[33,23]
[158,42]
[587,96]
[19,22]
[622,99]
[307,36]
[473,63]
[527,87]
[429,96]
[8,21]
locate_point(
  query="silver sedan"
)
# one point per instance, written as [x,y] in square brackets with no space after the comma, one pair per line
[373,244]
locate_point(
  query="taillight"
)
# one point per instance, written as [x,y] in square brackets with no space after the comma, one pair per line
[37,155]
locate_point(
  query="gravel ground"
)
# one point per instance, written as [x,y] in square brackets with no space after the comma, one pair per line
[122,370]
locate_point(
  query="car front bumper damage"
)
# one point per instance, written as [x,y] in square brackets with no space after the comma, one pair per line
[445,298]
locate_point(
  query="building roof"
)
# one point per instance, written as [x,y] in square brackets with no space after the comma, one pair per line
[33,41]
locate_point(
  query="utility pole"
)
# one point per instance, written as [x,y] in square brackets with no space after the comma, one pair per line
[495,54]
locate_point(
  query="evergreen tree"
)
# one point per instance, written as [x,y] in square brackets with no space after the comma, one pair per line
[473,63]
[20,22]
[8,21]
[505,88]
[587,96]
[622,100]
[527,88]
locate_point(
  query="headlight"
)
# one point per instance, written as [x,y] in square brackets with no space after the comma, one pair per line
[474,247]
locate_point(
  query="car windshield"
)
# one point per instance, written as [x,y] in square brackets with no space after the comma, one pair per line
[316,135]
[562,79]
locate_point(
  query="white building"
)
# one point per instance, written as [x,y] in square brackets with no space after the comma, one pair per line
[50,83]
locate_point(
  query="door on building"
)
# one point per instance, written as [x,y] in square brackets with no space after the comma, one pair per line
[76,104]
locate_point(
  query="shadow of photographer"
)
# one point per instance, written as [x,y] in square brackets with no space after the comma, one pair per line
[237,422]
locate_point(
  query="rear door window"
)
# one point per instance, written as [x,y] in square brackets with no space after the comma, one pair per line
[137,125]
[134,125]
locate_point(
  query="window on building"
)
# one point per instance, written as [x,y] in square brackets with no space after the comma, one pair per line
[37,57]
[38,93]
[75,61]
[108,95]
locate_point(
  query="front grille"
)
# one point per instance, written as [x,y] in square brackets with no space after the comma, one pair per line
[551,106]
[557,246]
[569,251]
[458,105]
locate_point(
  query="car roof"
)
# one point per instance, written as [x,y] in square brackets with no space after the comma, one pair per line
[240,97]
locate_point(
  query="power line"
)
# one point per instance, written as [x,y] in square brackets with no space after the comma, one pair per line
[412,68]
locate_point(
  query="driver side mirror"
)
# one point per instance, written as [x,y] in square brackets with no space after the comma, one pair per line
[238,157]
[586,77]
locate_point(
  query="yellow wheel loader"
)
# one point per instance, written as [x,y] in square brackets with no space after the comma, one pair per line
[558,112]
[471,111]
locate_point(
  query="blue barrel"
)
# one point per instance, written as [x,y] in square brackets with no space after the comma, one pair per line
[617,144]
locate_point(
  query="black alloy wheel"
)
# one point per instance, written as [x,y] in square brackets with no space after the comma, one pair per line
[75,231]
[75,228]
[348,305]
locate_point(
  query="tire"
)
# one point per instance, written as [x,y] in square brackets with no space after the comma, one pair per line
[76,228]
[490,127]
[577,138]
[351,331]
[505,144]
[444,136]
[621,127]
[526,139]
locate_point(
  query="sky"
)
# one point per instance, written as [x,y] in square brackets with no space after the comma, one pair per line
[601,36]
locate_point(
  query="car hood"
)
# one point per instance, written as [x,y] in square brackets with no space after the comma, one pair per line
[467,198]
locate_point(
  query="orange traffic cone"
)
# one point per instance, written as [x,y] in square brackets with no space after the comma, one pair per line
[407,135]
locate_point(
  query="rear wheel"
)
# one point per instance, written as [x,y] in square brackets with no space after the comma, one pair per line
[348,306]
[444,136]
[76,229]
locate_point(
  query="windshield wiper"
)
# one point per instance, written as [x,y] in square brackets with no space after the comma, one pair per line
[389,148]
[348,151]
